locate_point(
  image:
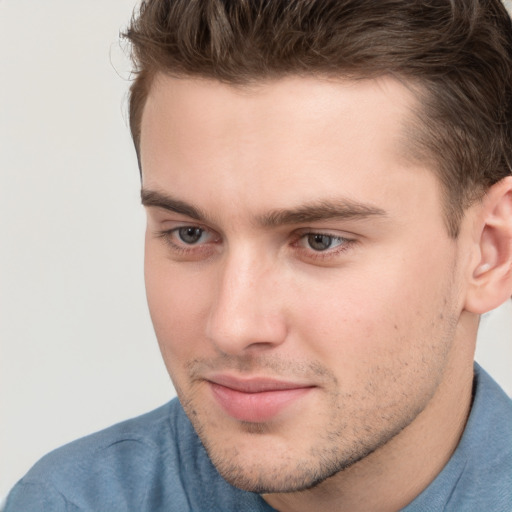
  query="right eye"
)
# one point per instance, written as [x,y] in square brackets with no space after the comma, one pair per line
[189,242]
[190,235]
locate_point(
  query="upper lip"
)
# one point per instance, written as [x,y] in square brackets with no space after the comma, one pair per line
[254,384]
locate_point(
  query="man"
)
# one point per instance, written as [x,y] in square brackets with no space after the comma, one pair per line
[329,199]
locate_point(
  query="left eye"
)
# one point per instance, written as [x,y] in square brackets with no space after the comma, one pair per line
[190,234]
[320,242]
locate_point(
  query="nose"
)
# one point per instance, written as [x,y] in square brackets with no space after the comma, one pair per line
[246,312]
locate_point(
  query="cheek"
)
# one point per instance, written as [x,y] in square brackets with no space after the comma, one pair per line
[347,327]
[360,321]
[177,303]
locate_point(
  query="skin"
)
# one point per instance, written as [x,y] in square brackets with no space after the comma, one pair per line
[375,325]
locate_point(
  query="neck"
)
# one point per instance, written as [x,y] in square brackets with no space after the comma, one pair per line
[392,476]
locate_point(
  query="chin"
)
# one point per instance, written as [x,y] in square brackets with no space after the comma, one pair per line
[274,476]
[264,464]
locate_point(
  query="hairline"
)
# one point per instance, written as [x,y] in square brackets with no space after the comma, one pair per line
[416,140]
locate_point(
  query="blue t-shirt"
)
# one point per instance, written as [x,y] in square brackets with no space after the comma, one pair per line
[156,463]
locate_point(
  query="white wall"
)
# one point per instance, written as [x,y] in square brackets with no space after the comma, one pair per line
[77,348]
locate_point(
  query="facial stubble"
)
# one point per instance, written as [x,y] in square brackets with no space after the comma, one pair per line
[336,448]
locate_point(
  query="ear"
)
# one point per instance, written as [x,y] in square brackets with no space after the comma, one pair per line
[491,280]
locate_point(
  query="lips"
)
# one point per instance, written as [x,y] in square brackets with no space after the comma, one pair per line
[255,400]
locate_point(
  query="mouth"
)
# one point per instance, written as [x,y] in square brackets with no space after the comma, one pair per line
[255,400]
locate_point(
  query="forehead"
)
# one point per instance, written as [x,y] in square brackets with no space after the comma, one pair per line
[304,105]
[277,143]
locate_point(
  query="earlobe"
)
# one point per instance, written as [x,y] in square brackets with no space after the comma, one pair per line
[491,281]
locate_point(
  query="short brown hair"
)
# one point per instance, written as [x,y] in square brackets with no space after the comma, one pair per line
[456,54]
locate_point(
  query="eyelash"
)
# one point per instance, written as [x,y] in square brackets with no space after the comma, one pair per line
[344,245]
[167,236]
[189,249]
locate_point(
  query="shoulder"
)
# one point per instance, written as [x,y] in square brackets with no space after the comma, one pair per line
[150,463]
[479,474]
[113,465]
[126,442]
[486,450]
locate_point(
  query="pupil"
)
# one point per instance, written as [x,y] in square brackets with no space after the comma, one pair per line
[319,242]
[190,235]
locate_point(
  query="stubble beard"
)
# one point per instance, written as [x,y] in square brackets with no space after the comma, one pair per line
[354,424]
[337,448]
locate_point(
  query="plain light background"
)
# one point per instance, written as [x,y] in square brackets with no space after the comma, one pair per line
[78,351]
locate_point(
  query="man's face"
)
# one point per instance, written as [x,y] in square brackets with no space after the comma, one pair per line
[304,290]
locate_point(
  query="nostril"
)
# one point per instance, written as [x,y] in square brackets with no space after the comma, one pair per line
[244,313]
[245,329]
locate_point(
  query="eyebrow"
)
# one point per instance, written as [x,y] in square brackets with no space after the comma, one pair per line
[338,209]
[159,200]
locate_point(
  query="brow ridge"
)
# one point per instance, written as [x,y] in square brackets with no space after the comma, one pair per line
[160,200]
[343,209]
[339,209]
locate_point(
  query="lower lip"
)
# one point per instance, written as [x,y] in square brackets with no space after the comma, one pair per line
[255,407]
